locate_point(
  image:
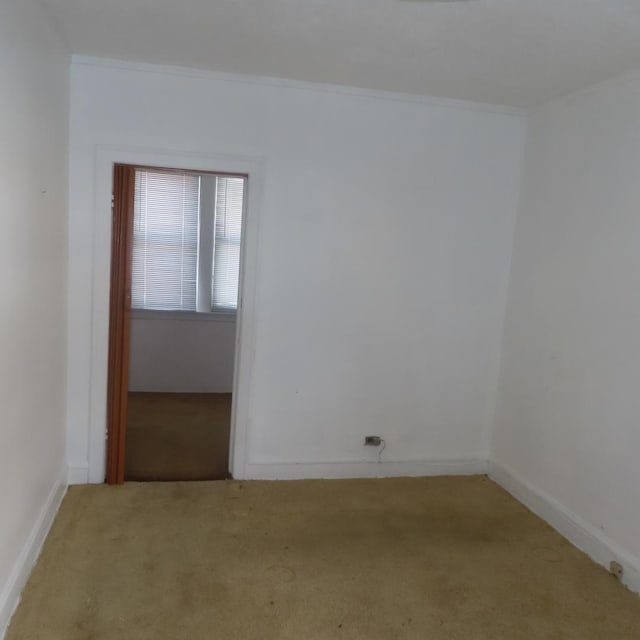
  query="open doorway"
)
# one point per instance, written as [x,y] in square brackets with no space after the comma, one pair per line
[176,250]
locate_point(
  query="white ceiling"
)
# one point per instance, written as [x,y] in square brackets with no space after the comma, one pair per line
[512,52]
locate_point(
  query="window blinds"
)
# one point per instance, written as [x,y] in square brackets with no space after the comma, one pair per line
[186,241]
[165,240]
[226,247]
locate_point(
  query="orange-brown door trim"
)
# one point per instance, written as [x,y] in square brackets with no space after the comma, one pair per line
[119,320]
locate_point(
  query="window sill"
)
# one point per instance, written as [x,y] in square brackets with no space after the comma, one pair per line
[183,316]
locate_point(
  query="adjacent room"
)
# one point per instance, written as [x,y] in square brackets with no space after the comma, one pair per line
[320,319]
[184,264]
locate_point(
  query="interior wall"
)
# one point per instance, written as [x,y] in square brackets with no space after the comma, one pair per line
[177,352]
[34,89]
[567,420]
[385,234]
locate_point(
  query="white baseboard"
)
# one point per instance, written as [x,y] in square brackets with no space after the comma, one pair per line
[78,474]
[580,533]
[385,469]
[10,592]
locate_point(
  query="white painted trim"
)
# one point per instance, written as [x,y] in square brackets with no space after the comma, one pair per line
[297,85]
[359,469]
[106,157]
[78,474]
[608,84]
[183,316]
[586,537]
[11,591]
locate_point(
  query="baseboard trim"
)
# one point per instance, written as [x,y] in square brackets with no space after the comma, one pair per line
[580,533]
[11,591]
[386,469]
[78,474]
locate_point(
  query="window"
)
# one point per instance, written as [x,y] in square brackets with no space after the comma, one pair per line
[186,240]
[226,247]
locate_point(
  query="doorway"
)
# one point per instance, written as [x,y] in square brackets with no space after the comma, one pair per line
[176,254]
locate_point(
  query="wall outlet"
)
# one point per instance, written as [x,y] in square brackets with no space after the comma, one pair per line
[372,441]
[616,569]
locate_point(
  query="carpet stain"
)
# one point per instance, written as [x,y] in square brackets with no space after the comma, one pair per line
[280,574]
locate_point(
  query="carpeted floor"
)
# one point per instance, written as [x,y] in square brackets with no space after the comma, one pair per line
[423,559]
[178,436]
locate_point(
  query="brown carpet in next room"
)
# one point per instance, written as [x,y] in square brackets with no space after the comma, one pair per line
[178,436]
[415,559]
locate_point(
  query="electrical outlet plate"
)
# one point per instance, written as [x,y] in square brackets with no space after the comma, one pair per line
[372,441]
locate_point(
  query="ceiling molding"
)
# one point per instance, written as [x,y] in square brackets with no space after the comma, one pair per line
[296,85]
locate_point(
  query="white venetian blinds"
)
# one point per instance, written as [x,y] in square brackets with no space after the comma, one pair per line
[174,254]
[226,248]
[165,240]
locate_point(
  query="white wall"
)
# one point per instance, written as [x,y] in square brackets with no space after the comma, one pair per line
[181,352]
[383,255]
[33,182]
[568,416]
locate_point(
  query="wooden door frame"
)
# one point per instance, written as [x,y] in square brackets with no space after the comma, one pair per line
[119,340]
[124,179]
[97,198]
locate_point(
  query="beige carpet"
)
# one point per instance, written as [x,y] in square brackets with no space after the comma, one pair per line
[423,559]
[178,436]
